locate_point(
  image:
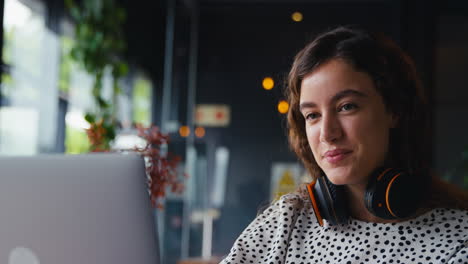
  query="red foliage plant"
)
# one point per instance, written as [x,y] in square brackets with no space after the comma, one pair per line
[96,135]
[160,167]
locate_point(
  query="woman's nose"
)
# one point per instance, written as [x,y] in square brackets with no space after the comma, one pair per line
[330,130]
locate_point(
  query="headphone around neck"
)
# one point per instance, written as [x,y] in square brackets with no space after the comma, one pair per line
[390,194]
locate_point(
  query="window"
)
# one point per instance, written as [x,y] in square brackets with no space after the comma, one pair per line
[142,100]
[28,115]
[46,94]
[134,107]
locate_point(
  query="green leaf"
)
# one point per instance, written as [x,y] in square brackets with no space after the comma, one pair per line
[75,54]
[110,132]
[91,118]
[75,13]
[120,69]
[102,103]
[99,37]
[117,89]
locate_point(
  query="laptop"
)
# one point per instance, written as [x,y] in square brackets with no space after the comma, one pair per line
[76,209]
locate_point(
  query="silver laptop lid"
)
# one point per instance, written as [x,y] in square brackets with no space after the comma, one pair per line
[75,209]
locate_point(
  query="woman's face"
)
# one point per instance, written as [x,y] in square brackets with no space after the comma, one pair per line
[347,123]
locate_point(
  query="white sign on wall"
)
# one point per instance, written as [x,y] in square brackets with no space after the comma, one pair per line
[211,115]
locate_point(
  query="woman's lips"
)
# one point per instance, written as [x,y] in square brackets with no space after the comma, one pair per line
[337,155]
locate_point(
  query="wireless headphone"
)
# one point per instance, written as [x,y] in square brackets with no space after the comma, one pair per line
[390,194]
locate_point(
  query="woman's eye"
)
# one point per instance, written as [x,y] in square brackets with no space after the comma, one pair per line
[348,107]
[312,116]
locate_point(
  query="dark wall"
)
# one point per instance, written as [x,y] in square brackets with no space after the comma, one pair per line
[451,97]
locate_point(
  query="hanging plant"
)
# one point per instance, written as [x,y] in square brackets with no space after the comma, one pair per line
[161,166]
[99,42]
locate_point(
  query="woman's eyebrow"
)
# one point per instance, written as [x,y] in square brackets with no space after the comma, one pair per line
[307,105]
[336,97]
[346,93]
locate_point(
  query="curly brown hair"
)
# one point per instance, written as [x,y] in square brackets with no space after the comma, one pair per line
[395,79]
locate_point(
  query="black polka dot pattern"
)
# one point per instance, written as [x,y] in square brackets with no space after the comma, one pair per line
[288,233]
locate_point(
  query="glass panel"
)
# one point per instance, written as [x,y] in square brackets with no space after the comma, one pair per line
[79,101]
[124,102]
[28,115]
[75,85]
[134,106]
[142,100]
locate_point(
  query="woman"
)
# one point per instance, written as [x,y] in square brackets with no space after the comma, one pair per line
[357,122]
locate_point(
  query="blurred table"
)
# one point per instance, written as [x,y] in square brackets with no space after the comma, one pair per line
[212,260]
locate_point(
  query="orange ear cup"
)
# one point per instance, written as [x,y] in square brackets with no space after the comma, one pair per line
[393,194]
[310,188]
[387,203]
[387,194]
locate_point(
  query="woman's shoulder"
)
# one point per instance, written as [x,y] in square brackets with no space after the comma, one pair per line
[444,216]
[284,210]
[438,222]
[294,201]
[273,226]
[447,221]
[445,231]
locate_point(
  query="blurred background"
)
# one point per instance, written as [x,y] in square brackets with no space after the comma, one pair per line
[210,73]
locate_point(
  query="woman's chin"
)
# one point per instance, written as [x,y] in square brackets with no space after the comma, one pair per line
[339,180]
[340,176]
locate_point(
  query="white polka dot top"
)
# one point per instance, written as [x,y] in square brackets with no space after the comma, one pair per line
[288,233]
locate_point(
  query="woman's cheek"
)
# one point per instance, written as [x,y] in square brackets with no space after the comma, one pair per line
[312,138]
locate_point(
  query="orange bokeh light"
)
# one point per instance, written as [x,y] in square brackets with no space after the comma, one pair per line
[297,16]
[199,132]
[283,107]
[184,131]
[268,83]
